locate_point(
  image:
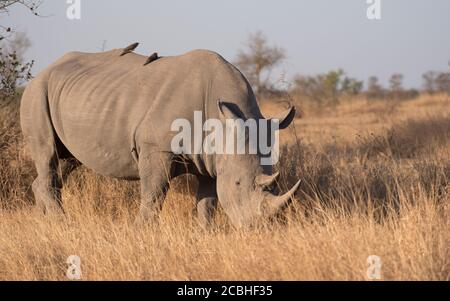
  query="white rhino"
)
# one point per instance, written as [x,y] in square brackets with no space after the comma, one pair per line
[112,111]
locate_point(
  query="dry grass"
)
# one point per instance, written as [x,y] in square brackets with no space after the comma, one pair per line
[375,182]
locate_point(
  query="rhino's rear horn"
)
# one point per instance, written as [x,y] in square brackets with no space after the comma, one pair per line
[266,180]
[129,48]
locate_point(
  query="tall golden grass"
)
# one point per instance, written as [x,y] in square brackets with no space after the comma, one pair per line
[375,182]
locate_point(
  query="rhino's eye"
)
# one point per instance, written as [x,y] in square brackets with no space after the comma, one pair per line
[238,183]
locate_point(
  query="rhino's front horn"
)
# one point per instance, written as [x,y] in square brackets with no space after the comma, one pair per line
[276,203]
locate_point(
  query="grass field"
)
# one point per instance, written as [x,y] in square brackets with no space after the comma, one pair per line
[375,176]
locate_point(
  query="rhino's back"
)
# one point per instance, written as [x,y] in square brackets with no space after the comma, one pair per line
[99,101]
[94,108]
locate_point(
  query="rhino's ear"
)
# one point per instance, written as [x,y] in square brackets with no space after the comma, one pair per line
[285,118]
[229,110]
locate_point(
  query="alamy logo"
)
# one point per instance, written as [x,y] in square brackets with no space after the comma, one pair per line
[374,10]
[234,136]
[74,269]
[374,269]
[73,11]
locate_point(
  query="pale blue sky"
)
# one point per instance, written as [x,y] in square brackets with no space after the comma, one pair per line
[412,37]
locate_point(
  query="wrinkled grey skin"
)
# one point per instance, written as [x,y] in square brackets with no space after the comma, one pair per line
[114,115]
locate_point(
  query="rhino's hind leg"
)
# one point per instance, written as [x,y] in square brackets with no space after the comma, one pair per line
[155,174]
[206,202]
[53,164]
[47,190]
[47,185]
[43,144]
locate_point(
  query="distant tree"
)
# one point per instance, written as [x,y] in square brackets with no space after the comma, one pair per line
[311,88]
[443,82]
[330,84]
[352,86]
[13,70]
[30,4]
[374,89]
[5,5]
[429,81]
[396,86]
[327,88]
[396,82]
[258,59]
[396,90]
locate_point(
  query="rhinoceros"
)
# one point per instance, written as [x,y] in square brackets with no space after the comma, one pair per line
[112,111]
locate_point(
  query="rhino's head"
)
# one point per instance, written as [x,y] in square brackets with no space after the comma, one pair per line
[244,185]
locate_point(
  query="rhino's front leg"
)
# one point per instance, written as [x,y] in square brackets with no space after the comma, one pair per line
[154,172]
[206,202]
